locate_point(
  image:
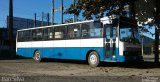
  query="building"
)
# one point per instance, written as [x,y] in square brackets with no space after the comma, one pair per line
[18,23]
[148,45]
[23,23]
[4,42]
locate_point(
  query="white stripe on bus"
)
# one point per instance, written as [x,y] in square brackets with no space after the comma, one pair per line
[63,43]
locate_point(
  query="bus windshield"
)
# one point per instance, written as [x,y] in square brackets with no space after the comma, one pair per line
[129,34]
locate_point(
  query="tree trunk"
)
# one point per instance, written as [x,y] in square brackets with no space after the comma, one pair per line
[157,22]
[132,10]
[156,44]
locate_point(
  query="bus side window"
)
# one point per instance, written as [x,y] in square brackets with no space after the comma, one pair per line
[73,31]
[51,33]
[34,34]
[85,33]
[59,32]
[39,34]
[27,35]
[85,30]
[20,36]
[96,32]
[45,34]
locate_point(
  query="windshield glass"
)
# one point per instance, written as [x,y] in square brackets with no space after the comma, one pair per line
[129,34]
[125,34]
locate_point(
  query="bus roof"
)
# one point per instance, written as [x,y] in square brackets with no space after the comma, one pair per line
[57,25]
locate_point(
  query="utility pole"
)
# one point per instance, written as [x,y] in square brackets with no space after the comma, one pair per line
[35,18]
[56,10]
[10,28]
[42,18]
[74,17]
[52,12]
[48,19]
[62,8]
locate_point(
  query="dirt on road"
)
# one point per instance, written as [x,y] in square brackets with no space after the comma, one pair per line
[67,69]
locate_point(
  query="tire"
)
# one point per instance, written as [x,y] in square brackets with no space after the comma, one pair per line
[93,59]
[37,56]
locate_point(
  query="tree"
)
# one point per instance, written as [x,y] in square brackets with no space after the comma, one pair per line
[148,13]
[157,22]
[100,8]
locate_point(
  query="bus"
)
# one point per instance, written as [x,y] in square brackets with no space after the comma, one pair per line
[104,40]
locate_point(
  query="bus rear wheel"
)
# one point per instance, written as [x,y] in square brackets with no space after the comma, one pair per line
[37,56]
[93,59]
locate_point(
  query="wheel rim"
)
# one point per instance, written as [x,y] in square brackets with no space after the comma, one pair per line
[93,59]
[37,56]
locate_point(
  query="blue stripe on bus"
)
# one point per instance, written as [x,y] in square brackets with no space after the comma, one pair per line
[68,53]
[62,53]
[119,58]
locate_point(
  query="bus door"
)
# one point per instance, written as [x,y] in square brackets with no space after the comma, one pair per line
[110,43]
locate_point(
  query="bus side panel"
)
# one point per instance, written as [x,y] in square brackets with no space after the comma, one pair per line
[21,52]
[62,53]
[48,49]
[73,53]
[25,52]
[47,52]
[29,52]
[36,46]
[59,49]
[24,49]
[28,49]
[94,44]
[62,49]
[20,48]
[73,49]
[119,58]
[99,50]
[59,53]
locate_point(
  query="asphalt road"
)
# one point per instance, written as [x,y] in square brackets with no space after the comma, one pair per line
[27,70]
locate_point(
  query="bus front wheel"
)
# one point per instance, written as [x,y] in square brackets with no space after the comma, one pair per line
[93,59]
[37,56]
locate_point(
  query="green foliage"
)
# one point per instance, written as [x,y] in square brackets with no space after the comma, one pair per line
[97,8]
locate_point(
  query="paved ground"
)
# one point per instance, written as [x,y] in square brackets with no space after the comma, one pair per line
[79,71]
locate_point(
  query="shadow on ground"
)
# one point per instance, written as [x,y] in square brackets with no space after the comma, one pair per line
[64,61]
[9,57]
[138,65]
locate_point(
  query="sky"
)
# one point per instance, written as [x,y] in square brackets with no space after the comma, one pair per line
[27,8]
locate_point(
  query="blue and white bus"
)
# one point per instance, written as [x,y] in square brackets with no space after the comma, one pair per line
[109,40]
